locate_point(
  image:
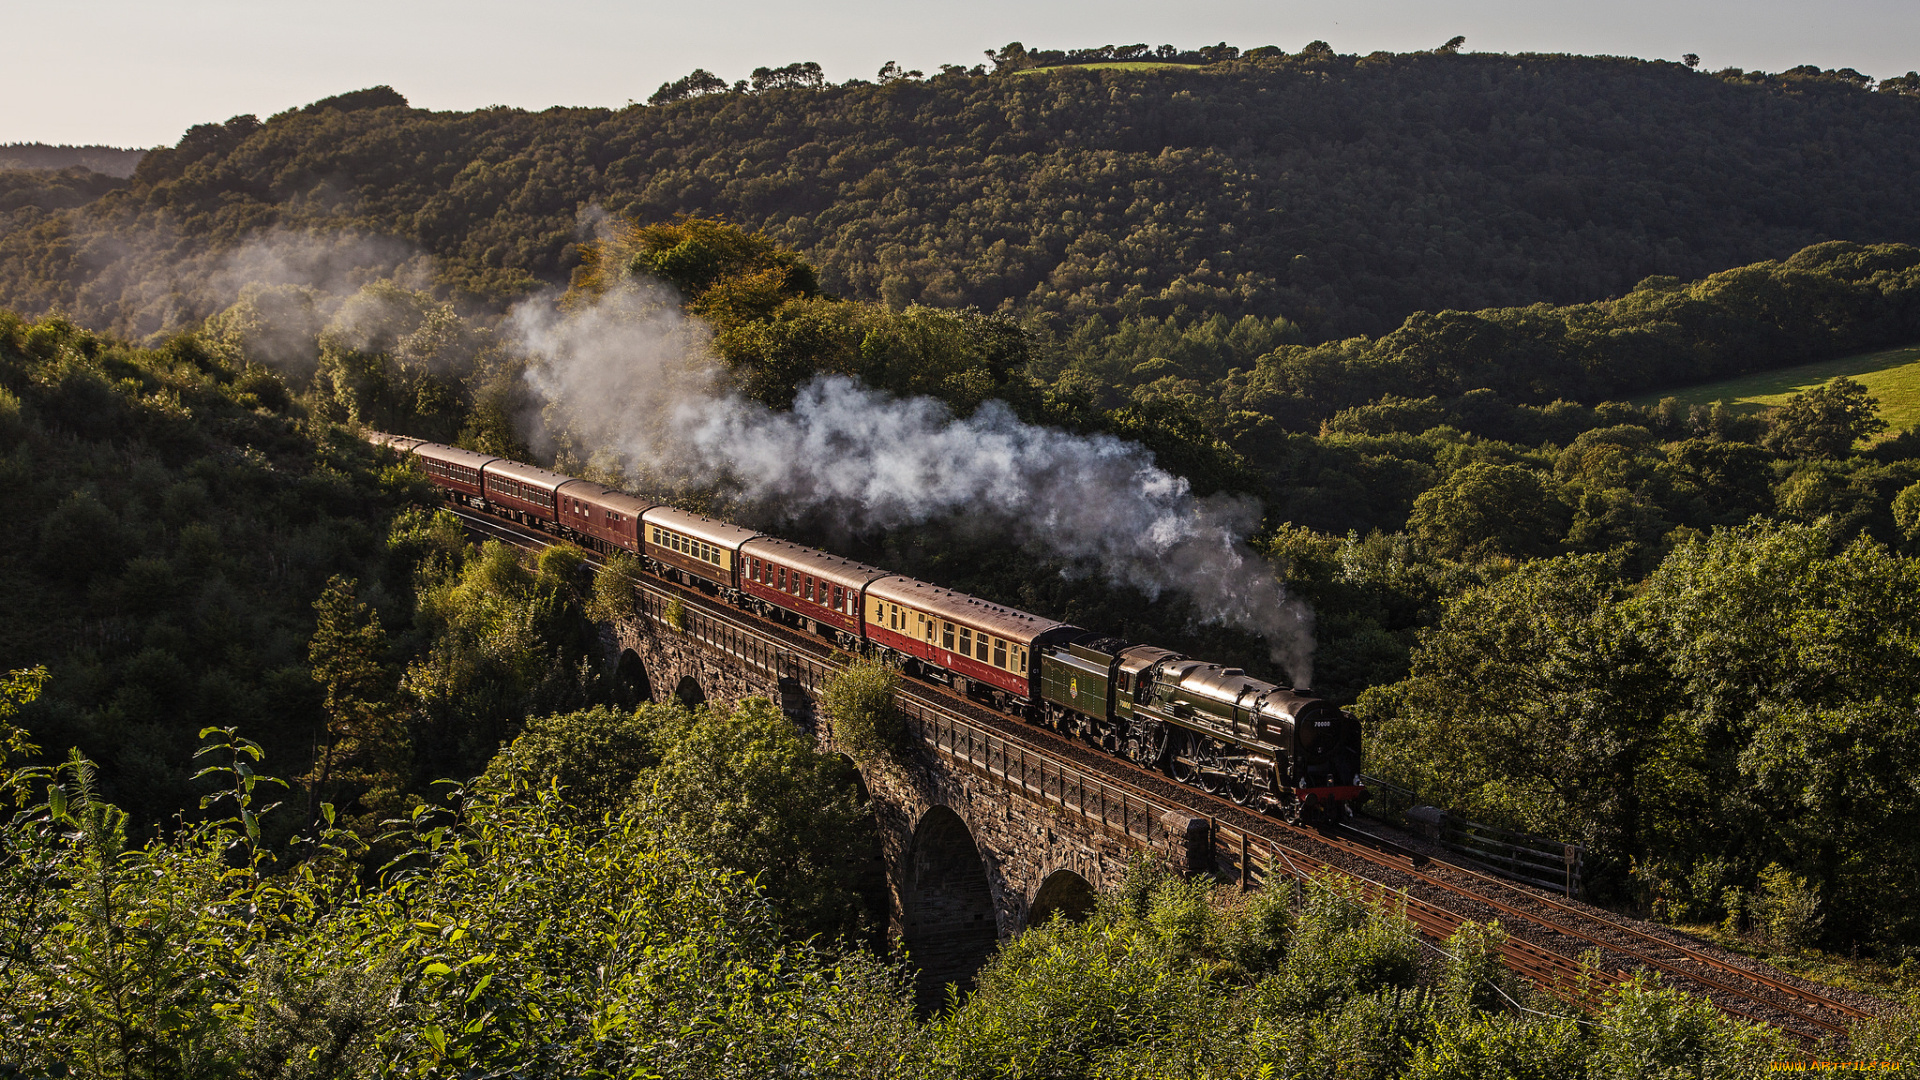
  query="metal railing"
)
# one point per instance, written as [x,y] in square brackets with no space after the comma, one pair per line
[1523,856]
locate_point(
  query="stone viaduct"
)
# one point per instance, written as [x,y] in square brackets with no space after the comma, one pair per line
[981,834]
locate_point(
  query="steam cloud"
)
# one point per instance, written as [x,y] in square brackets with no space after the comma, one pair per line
[628,379]
[146,282]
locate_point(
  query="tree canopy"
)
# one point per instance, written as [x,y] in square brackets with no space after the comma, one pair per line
[1341,192]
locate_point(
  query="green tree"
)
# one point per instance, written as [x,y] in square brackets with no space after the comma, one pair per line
[1906,512]
[1489,509]
[1825,421]
[364,755]
[745,788]
[595,756]
[1532,700]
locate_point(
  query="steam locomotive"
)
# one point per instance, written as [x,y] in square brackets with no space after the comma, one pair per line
[1266,746]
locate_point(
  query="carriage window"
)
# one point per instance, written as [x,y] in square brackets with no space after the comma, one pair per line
[839,597]
[980,650]
[999,653]
[809,588]
[966,641]
[782,572]
[946,636]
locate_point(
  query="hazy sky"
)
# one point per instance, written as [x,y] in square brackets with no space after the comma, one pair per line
[138,73]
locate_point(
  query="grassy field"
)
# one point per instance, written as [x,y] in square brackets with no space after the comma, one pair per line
[1893,376]
[1111,65]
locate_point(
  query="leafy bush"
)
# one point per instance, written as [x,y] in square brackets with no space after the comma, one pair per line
[594,756]
[748,790]
[613,589]
[1343,948]
[859,701]
[1788,907]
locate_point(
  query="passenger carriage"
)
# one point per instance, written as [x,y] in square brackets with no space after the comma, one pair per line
[819,591]
[694,548]
[601,518]
[526,493]
[459,471]
[980,647]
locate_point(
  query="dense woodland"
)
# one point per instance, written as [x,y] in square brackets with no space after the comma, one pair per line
[1684,637]
[106,160]
[1340,192]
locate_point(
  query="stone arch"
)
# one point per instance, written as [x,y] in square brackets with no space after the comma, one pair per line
[947,906]
[1064,893]
[868,870]
[688,693]
[861,792]
[630,679]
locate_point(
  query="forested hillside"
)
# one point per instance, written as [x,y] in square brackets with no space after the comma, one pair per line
[106,160]
[1341,193]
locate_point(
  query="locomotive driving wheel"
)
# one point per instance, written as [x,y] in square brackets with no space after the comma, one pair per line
[1213,779]
[1239,781]
[1146,745]
[1181,763]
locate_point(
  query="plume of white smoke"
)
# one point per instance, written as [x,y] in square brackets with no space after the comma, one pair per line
[148,281]
[629,377]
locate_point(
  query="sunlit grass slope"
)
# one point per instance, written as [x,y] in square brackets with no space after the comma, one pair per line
[1892,375]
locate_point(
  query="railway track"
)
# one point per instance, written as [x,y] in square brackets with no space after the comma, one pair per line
[1569,950]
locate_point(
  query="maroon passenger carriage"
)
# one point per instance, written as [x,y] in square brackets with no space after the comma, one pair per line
[598,517]
[459,471]
[526,493]
[817,590]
